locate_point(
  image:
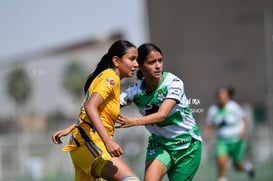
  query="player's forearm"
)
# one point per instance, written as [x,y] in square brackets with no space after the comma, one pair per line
[68,129]
[245,124]
[71,127]
[245,127]
[93,114]
[160,115]
[151,119]
[208,131]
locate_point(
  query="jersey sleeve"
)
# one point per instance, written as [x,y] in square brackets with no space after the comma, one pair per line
[240,111]
[126,97]
[175,90]
[105,85]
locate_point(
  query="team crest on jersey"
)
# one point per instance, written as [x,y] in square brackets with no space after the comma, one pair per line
[152,152]
[110,81]
[160,95]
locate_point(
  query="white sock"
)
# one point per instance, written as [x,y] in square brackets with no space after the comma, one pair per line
[222,179]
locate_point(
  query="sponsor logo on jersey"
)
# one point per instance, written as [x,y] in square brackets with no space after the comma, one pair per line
[110,81]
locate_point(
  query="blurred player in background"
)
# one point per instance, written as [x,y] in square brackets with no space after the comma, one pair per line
[93,152]
[228,119]
[175,142]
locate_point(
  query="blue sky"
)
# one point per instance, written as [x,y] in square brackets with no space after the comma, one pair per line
[32,25]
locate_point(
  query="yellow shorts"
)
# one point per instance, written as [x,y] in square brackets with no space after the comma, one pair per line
[89,160]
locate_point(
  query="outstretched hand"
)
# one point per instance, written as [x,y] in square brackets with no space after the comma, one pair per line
[56,137]
[125,122]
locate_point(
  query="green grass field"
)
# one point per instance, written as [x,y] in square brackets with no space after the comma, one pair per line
[208,173]
[264,172]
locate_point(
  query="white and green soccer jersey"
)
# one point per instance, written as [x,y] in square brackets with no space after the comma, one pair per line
[179,127]
[228,121]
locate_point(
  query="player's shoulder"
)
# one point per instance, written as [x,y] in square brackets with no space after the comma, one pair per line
[109,74]
[213,109]
[136,85]
[109,77]
[233,105]
[170,77]
[133,89]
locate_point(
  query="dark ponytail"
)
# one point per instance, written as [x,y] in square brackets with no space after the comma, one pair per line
[139,75]
[119,48]
[143,51]
[230,91]
[101,66]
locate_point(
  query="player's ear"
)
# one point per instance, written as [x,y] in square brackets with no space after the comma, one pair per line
[116,61]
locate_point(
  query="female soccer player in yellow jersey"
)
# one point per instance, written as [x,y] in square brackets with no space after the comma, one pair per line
[93,152]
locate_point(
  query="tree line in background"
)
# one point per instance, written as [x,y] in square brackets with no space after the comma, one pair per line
[19,85]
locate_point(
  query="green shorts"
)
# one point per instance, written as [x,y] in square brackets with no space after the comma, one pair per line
[235,150]
[181,164]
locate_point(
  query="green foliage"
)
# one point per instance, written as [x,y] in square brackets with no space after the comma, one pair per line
[18,85]
[74,78]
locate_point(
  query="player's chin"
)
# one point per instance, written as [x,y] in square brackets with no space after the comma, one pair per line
[157,76]
[131,73]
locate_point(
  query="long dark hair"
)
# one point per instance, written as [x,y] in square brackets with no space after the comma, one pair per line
[143,51]
[118,48]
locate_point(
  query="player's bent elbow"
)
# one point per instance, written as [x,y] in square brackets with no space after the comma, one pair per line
[161,116]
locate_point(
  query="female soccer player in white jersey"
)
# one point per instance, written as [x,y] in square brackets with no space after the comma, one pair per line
[175,142]
[228,118]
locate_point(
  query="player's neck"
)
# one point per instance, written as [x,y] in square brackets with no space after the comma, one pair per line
[151,84]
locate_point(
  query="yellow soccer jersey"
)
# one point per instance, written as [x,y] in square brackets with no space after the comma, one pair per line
[107,84]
